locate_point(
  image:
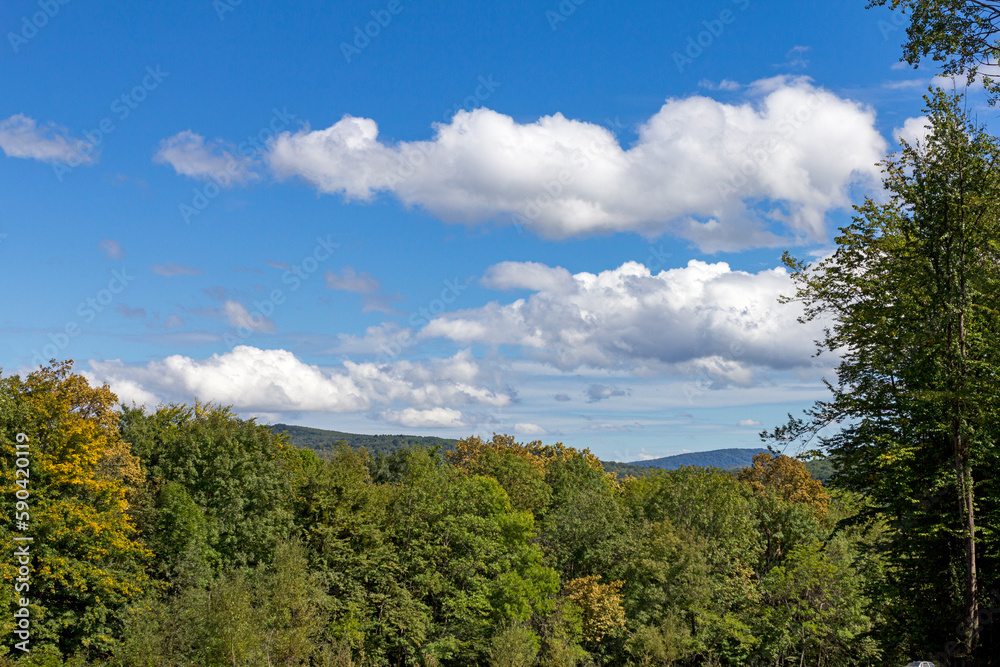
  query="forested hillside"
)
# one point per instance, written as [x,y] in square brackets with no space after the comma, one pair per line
[724,459]
[623,469]
[324,442]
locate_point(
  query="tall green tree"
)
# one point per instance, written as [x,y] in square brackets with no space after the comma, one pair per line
[691,583]
[910,294]
[469,557]
[343,519]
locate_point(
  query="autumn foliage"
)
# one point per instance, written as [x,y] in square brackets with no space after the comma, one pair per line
[787,478]
[89,565]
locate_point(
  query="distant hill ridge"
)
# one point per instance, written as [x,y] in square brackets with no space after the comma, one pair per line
[726,459]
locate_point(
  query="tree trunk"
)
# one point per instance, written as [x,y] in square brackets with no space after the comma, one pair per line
[963,470]
[967,497]
[966,488]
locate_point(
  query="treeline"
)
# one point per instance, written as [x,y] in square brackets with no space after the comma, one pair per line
[190,537]
[325,442]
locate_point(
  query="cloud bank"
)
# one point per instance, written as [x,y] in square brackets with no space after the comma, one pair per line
[703,318]
[413,394]
[722,175]
[613,335]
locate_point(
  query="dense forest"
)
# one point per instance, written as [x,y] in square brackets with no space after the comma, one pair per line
[189,536]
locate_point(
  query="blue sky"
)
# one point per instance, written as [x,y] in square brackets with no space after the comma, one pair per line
[558,220]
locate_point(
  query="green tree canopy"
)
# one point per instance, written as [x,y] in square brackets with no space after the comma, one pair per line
[959,34]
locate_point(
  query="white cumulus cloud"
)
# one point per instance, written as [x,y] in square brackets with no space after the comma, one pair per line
[914,130]
[726,176]
[407,393]
[704,319]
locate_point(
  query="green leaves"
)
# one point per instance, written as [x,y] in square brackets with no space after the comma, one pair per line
[959,34]
[815,607]
[237,472]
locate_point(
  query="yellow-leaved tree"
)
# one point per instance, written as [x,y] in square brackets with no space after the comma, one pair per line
[787,478]
[603,612]
[87,564]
